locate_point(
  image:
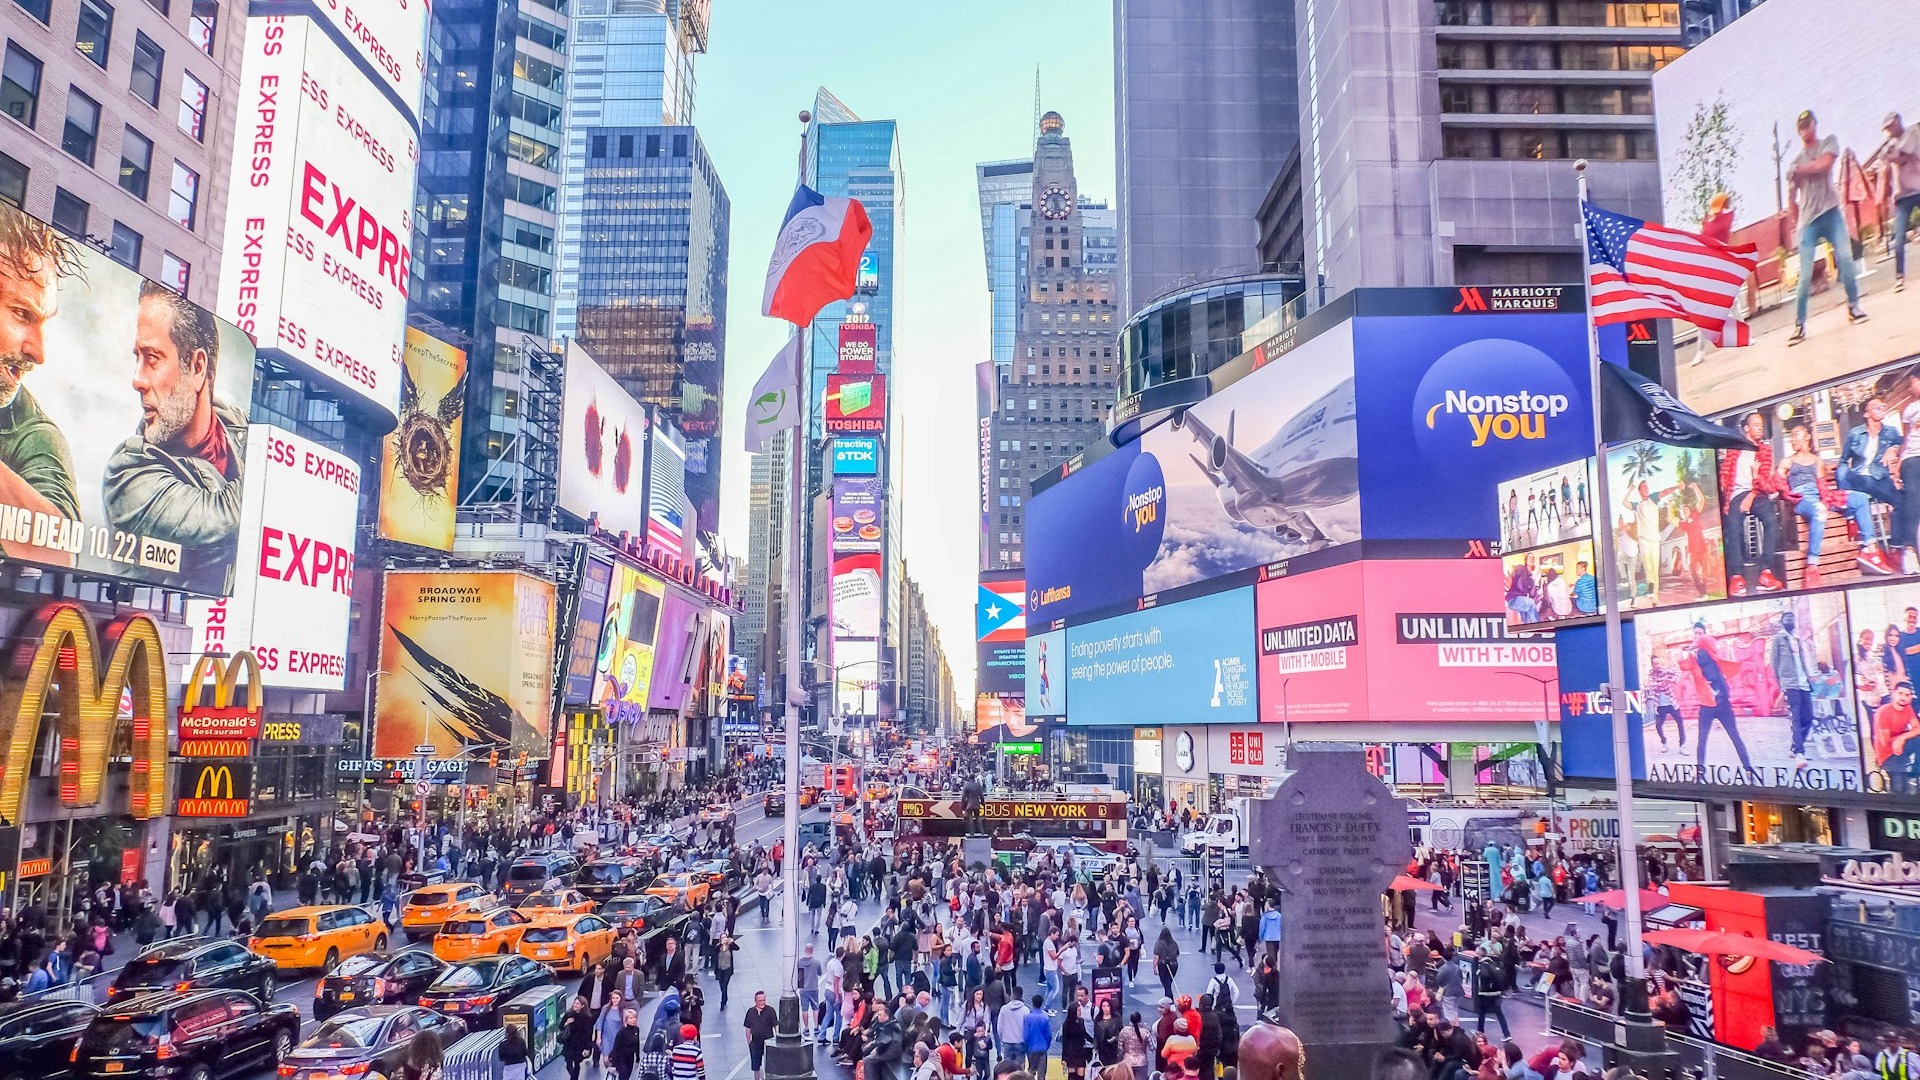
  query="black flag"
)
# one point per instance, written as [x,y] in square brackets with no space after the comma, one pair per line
[1632,407]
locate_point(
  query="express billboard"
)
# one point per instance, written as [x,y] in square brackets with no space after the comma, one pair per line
[468,657]
[420,461]
[155,494]
[386,36]
[857,506]
[1812,195]
[1000,633]
[1045,669]
[603,437]
[1452,402]
[319,216]
[1415,641]
[292,603]
[623,668]
[856,404]
[1190,662]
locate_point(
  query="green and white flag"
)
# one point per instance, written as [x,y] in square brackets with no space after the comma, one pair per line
[775,405]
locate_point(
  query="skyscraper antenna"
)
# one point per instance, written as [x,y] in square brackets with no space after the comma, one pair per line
[1036,101]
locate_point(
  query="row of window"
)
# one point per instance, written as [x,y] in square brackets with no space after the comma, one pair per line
[1527,144]
[1555,13]
[71,215]
[1552,56]
[1544,100]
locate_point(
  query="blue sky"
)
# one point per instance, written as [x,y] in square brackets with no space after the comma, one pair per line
[958,77]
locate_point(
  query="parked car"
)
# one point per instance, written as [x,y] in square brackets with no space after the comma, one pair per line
[475,990]
[37,1037]
[318,937]
[374,1038]
[374,980]
[195,964]
[195,1035]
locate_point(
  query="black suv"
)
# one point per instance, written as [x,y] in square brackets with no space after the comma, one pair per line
[37,1037]
[197,1035]
[604,879]
[195,964]
[529,874]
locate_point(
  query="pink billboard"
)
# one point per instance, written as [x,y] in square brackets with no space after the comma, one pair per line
[1399,641]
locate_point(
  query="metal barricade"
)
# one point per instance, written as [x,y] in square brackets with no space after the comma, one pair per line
[475,1057]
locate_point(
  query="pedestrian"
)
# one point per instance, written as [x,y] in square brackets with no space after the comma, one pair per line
[606,1028]
[1010,1027]
[759,1022]
[1037,1038]
[576,1036]
[687,1061]
[513,1055]
[1166,959]
[723,966]
[1487,997]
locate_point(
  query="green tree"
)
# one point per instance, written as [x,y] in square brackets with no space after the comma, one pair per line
[1705,159]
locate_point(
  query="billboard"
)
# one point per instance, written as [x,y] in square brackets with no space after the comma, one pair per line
[1885,652]
[856,404]
[857,505]
[699,418]
[1000,625]
[1452,402]
[1046,689]
[319,215]
[859,344]
[1553,505]
[1666,524]
[468,657]
[1586,720]
[603,434]
[1814,198]
[293,600]
[386,37]
[213,788]
[420,461]
[856,455]
[671,520]
[859,596]
[596,579]
[999,717]
[1551,584]
[673,653]
[1190,662]
[856,682]
[1757,690]
[623,666]
[155,494]
[1396,642]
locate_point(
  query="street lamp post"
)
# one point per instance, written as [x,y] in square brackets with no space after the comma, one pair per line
[1542,728]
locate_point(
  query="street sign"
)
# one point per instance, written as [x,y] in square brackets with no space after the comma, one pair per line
[422,788]
[1020,749]
[425,749]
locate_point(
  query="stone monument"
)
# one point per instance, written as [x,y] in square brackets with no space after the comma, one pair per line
[1333,837]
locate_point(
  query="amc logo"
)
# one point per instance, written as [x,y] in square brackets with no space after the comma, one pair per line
[219,789]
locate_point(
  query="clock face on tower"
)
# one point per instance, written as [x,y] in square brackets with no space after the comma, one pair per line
[1054,203]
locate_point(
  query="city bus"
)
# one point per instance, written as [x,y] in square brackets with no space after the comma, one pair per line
[1100,820]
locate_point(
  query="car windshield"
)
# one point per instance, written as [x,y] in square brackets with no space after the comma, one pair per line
[674,881]
[543,899]
[529,872]
[607,873]
[464,926]
[346,1033]
[546,935]
[429,898]
[357,965]
[272,927]
[464,977]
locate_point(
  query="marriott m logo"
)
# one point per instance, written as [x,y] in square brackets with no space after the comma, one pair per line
[1471,299]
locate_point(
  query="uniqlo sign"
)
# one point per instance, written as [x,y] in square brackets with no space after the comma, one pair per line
[1247,748]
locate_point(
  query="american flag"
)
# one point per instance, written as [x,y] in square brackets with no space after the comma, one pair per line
[1640,270]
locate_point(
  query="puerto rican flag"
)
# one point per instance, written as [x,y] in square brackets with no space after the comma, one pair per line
[816,259]
[1001,614]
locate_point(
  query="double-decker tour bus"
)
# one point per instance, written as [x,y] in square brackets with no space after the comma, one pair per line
[1097,819]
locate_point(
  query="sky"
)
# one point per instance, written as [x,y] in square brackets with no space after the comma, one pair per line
[958,78]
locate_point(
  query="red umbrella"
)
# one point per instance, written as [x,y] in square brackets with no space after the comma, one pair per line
[1617,898]
[1407,882]
[1728,943]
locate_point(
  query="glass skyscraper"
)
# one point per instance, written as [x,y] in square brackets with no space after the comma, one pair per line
[859,159]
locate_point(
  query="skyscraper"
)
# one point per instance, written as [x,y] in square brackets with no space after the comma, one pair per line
[859,159]
[1206,109]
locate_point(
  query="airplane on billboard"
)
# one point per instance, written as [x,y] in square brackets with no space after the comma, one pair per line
[1312,463]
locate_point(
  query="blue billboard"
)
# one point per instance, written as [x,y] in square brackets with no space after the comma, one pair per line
[1045,670]
[1091,535]
[1586,725]
[1451,405]
[1185,663]
[856,455]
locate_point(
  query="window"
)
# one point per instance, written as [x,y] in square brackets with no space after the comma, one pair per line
[183,203]
[82,132]
[20,85]
[175,272]
[148,60]
[94,32]
[39,9]
[13,181]
[69,213]
[126,246]
[193,106]
[206,16]
[136,162]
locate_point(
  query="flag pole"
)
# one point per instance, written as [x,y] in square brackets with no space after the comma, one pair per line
[1638,1037]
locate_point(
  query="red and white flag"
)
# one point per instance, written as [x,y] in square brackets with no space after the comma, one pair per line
[1640,270]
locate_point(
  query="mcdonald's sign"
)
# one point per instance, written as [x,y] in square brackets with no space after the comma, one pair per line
[214,789]
[222,719]
[54,669]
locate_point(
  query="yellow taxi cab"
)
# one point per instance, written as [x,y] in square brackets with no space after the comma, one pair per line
[673,888]
[878,791]
[485,933]
[568,942]
[317,937]
[432,905]
[809,794]
[556,902]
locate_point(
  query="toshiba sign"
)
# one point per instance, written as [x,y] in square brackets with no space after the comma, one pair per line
[319,215]
[292,594]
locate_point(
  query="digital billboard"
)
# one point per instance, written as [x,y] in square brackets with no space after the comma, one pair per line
[673,653]
[1187,663]
[623,669]
[293,599]
[856,404]
[1757,688]
[386,36]
[672,524]
[856,689]
[859,597]
[1586,719]
[596,579]
[859,345]
[699,417]
[857,505]
[1885,653]
[1046,687]
[319,215]
[1551,584]
[1812,195]
[603,435]
[468,661]
[1000,624]
[420,461]
[1666,525]
[1548,506]
[154,495]
[856,455]
[1001,717]
[1464,402]
[1396,642]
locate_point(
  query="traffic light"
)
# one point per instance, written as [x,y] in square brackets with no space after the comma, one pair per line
[493,759]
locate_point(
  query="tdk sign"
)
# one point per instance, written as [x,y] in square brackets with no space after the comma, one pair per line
[856,456]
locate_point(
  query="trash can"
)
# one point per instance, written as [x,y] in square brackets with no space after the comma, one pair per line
[475,1057]
[536,1014]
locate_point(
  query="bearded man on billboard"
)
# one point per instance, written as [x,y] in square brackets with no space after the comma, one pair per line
[36,467]
[179,478]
